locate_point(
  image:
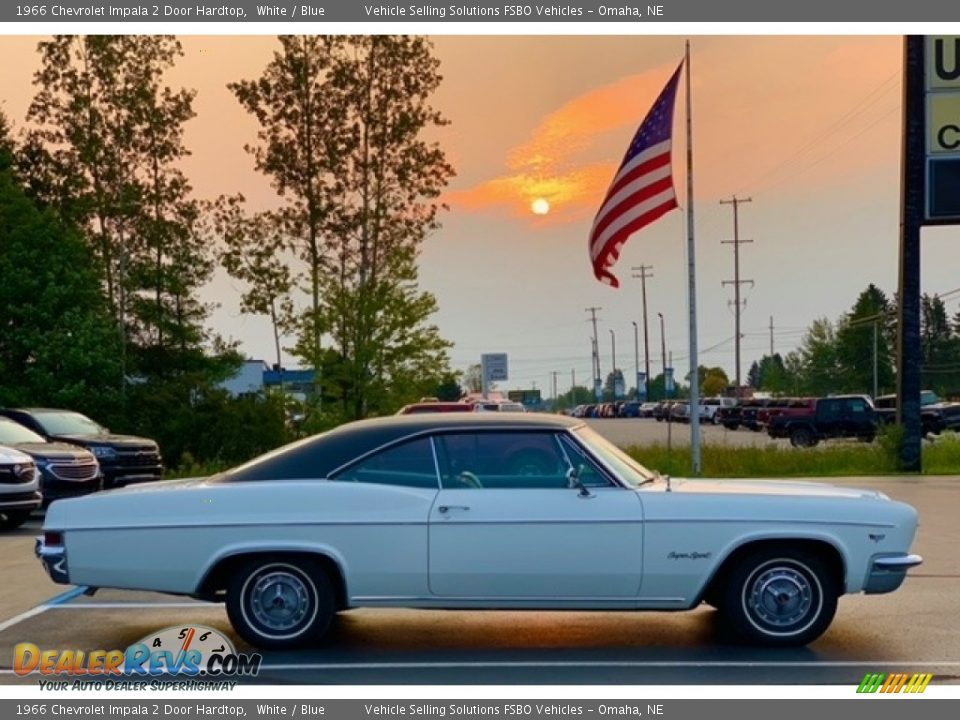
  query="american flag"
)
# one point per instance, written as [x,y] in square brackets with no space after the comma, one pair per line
[642,189]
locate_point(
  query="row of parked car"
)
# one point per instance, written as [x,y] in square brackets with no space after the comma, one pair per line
[620,409]
[48,454]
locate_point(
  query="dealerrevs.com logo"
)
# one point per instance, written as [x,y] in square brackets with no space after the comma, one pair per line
[192,651]
[894,683]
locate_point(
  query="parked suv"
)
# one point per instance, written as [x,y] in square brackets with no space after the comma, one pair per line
[935,416]
[65,470]
[709,407]
[19,488]
[123,459]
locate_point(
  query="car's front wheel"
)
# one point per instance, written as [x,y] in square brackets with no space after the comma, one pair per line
[779,598]
[281,603]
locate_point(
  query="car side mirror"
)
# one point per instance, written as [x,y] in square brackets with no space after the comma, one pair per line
[574,481]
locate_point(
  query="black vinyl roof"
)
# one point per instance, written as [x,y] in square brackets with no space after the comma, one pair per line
[320,455]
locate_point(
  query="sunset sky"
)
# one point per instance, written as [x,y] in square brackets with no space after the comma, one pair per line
[807,127]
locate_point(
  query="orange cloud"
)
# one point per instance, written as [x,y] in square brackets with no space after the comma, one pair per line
[551,163]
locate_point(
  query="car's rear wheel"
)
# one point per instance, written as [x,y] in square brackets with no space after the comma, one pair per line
[12,519]
[779,598]
[281,603]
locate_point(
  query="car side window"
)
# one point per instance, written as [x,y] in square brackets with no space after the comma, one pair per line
[409,464]
[857,406]
[501,460]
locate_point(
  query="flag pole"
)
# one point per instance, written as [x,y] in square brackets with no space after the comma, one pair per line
[692,288]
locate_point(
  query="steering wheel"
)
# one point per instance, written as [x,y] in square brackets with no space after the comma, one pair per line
[468,479]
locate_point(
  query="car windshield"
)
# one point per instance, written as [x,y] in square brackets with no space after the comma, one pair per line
[68,423]
[627,469]
[12,433]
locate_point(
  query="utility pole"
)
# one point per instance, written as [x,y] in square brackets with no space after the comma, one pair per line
[771,336]
[642,269]
[596,355]
[554,374]
[736,282]
[636,361]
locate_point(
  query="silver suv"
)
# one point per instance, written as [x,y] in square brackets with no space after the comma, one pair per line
[19,488]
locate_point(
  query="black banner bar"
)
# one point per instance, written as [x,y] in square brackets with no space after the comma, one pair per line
[466,709]
[418,11]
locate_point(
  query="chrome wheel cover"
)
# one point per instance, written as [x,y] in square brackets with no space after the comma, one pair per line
[279,600]
[782,598]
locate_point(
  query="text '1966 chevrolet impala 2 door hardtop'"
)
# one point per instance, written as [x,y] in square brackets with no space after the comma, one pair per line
[482,511]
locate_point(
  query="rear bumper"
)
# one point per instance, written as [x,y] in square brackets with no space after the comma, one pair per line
[54,561]
[888,572]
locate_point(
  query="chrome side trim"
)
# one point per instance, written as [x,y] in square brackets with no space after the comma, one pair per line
[494,600]
[768,521]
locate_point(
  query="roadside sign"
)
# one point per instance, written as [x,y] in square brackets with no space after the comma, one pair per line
[942,130]
[494,367]
[641,386]
[668,381]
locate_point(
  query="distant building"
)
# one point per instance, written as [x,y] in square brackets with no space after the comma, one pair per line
[247,379]
[256,375]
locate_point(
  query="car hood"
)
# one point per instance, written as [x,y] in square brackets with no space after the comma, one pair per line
[769,487]
[9,455]
[115,441]
[54,451]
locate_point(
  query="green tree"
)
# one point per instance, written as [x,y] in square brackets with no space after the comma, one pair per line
[105,152]
[713,382]
[299,148]
[448,389]
[821,366]
[939,347]
[57,340]
[855,347]
[772,375]
[254,253]
[343,121]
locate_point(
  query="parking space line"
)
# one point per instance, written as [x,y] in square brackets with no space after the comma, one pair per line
[122,605]
[54,602]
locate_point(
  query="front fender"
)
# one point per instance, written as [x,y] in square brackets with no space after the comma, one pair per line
[781,535]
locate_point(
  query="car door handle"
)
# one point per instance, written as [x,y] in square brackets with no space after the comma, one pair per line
[444,509]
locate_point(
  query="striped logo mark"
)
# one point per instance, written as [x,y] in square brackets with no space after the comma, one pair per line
[894,683]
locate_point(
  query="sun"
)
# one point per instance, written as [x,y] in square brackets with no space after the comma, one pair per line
[540,206]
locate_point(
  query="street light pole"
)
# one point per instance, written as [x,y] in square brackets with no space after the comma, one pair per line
[663,352]
[636,358]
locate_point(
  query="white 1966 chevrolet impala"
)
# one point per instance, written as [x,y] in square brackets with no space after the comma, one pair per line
[482,511]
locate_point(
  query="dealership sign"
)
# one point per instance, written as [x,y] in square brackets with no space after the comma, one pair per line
[942,96]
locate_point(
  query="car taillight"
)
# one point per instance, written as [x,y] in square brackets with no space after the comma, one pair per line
[52,538]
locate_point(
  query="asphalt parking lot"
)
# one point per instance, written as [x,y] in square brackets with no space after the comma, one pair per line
[915,629]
